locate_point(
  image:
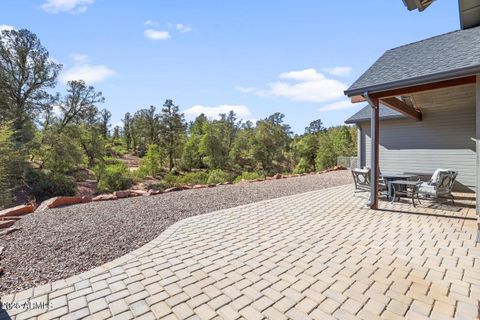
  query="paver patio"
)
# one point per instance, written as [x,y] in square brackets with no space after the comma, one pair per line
[317,255]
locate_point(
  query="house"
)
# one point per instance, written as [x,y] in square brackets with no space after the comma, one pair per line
[423,105]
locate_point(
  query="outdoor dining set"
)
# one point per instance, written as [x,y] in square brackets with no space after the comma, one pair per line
[395,185]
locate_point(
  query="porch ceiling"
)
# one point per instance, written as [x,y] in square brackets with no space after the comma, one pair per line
[429,100]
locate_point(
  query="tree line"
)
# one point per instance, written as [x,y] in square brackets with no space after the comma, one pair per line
[234,145]
[49,140]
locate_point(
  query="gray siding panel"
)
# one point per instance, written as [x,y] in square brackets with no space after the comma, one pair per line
[444,139]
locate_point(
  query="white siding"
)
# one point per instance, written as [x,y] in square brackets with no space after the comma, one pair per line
[444,139]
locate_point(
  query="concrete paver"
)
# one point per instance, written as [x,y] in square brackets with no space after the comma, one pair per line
[316,255]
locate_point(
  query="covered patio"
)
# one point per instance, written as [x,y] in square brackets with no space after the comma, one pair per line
[432,89]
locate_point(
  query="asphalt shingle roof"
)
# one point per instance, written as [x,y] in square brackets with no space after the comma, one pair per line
[364,114]
[438,56]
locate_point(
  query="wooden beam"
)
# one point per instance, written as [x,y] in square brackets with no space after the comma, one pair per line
[402,107]
[374,173]
[424,87]
[357,99]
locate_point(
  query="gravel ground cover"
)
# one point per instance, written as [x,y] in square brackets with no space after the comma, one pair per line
[62,242]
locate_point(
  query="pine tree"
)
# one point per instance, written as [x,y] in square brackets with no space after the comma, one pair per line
[172,131]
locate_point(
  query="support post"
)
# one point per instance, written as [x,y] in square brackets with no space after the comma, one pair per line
[477,141]
[374,124]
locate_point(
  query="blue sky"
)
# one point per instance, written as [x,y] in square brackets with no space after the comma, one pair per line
[256,57]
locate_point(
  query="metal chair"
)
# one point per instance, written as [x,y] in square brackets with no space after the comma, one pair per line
[361,178]
[439,187]
[382,184]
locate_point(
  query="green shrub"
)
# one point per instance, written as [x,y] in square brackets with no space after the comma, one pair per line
[162,185]
[302,167]
[114,177]
[219,176]
[11,165]
[171,180]
[119,150]
[249,176]
[47,185]
[150,164]
[193,178]
[138,174]
[111,160]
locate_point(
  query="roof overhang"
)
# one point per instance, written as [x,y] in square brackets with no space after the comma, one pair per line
[368,119]
[390,98]
[417,4]
[469,10]
[411,82]
[469,13]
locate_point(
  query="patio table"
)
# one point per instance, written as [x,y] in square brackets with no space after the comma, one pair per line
[410,188]
[391,176]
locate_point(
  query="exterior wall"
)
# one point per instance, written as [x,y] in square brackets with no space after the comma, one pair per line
[360,147]
[444,139]
[477,140]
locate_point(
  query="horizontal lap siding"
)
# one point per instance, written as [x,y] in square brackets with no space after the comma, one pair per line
[442,140]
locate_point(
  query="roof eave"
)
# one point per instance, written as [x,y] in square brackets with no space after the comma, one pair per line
[430,78]
[417,4]
[355,121]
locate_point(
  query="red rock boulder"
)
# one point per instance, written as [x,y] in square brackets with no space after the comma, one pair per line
[17,211]
[105,197]
[200,186]
[4,224]
[122,194]
[58,202]
[86,199]
[173,189]
[136,193]
[153,192]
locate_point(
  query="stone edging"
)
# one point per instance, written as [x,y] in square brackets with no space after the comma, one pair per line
[9,216]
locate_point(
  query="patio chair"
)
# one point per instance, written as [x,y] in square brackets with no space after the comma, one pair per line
[439,186]
[382,184]
[361,178]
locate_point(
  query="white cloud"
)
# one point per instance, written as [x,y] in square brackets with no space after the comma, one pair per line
[80,57]
[83,70]
[183,27]
[156,34]
[212,112]
[339,105]
[71,6]
[118,124]
[88,73]
[306,85]
[6,27]
[339,71]
[245,89]
[302,75]
[151,23]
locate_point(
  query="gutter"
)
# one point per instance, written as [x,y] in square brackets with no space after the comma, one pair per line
[430,78]
[356,121]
